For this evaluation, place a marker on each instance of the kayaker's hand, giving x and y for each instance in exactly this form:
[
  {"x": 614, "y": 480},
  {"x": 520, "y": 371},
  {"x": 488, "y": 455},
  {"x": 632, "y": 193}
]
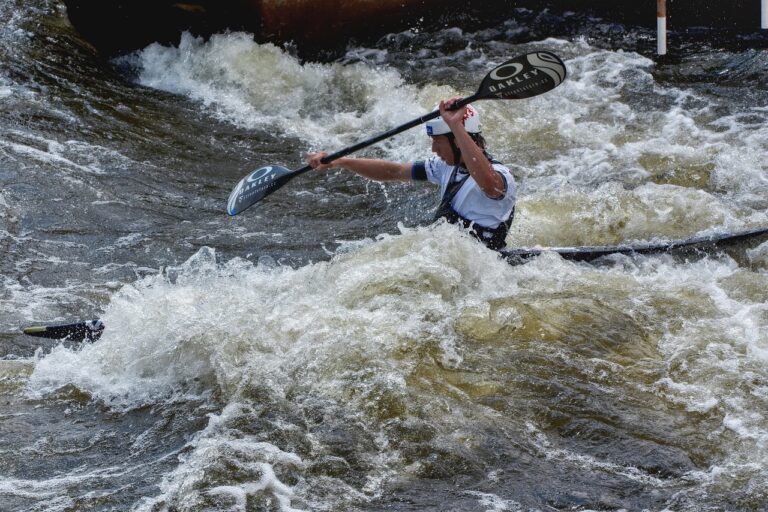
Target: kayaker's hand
[
  {"x": 453, "y": 118},
  {"x": 314, "y": 161}
]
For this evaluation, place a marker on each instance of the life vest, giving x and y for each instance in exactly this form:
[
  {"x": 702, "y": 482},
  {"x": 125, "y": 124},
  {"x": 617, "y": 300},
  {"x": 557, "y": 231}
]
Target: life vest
[{"x": 493, "y": 238}]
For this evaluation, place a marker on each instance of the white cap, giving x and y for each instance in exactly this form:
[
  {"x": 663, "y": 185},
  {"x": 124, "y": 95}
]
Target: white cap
[{"x": 471, "y": 123}]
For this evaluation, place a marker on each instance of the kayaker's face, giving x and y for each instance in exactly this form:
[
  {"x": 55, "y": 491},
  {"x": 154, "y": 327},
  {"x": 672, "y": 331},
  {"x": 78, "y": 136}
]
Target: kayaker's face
[{"x": 442, "y": 148}]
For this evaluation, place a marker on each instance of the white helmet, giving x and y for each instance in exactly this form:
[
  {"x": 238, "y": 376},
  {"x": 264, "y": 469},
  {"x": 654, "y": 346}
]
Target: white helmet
[{"x": 471, "y": 123}]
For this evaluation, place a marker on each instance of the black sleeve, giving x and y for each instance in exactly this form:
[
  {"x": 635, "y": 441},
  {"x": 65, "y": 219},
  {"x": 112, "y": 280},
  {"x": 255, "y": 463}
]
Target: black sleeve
[{"x": 419, "y": 171}]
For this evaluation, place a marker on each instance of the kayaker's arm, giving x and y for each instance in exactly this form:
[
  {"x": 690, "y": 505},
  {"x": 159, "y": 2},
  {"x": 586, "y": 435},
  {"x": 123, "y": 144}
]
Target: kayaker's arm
[
  {"x": 490, "y": 181},
  {"x": 379, "y": 170}
]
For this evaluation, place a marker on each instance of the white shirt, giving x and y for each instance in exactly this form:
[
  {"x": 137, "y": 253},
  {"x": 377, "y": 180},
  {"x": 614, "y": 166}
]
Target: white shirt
[{"x": 471, "y": 202}]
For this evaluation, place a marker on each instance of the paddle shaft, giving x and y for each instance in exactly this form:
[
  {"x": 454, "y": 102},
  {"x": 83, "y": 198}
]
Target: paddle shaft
[
  {"x": 390, "y": 133},
  {"x": 523, "y": 77}
]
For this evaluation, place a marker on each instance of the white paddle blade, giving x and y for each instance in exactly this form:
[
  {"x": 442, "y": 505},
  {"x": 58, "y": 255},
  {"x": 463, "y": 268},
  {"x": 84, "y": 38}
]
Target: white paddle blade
[{"x": 256, "y": 186}]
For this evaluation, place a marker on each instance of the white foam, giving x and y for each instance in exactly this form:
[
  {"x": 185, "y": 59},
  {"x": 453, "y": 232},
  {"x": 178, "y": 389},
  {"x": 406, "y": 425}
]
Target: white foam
[
  {"x": 596, "y": 128},
  {"x": 611, "y": 214},
  {"x": 351, "y": 331},
  {"x": 256, "y": 462},
  {"x": 597, "y": 166},
  {"x": 259, "y": 86},
  {"x": 162, "y": 334},
  {"x": 495, "y": 503}
]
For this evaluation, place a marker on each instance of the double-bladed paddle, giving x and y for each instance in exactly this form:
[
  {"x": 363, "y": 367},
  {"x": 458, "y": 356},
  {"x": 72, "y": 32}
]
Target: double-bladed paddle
[{"x": 522, "y": 77}]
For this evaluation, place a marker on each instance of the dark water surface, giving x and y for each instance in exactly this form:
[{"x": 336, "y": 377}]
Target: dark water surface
[{"x": 325, "y": 351}]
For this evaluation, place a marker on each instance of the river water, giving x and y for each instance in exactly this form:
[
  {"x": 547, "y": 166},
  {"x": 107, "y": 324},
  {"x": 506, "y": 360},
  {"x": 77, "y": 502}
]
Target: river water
[{"x": 328, "y": 349}]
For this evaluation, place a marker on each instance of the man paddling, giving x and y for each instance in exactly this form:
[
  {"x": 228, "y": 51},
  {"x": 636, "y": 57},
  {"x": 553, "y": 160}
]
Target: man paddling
[{"x": 476, "y": 191}]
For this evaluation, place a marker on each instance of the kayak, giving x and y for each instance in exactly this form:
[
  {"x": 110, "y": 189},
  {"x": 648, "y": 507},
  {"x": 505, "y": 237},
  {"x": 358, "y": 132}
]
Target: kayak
[{"x": 701, "y": 245}]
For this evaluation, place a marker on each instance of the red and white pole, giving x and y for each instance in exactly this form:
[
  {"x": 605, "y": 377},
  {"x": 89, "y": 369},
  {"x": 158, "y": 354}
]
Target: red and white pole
[{"x": 661, "y": 26}]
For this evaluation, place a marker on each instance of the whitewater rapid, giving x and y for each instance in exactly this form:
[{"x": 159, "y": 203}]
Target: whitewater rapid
[{"x": 330, "y": 350}]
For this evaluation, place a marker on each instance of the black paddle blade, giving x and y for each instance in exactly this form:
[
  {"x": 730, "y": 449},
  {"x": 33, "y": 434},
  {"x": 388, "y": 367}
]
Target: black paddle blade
[
  {"x": 81, "y": 331},
  {"x": 256, "y": 186},
  {"x": 523, "y": 77}
]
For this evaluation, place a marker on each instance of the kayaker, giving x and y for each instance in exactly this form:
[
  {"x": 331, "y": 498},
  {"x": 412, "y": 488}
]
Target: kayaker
[{"x": 476, "y": 191}]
